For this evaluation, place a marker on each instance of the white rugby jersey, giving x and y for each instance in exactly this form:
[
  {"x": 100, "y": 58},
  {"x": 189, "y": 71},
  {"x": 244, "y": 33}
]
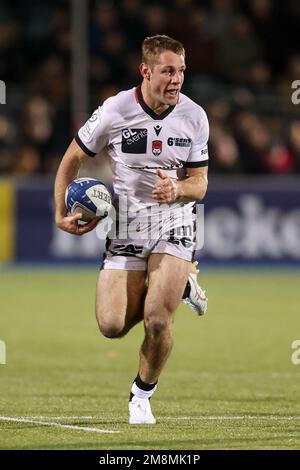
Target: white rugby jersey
[{"x": 138, "y": 142}]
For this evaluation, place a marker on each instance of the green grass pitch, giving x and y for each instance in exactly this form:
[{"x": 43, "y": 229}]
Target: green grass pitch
[{"x": 229, "y": 384}]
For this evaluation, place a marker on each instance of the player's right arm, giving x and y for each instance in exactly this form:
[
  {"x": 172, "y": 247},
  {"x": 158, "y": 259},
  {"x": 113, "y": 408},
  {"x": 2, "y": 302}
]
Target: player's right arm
[
  {"x": 91, "y": 138},
  {"x": 67, "y": 171}
]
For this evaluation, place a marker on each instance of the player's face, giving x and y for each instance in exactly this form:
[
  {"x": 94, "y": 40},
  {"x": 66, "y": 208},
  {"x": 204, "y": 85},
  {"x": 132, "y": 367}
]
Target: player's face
[{"x": 166, "y": 78}]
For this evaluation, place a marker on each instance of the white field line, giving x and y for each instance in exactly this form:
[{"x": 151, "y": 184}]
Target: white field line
[
  {"x": 162, "y": 418},
  {"x": 223, "y": 418},
  {"x": 58, "y": 425}
]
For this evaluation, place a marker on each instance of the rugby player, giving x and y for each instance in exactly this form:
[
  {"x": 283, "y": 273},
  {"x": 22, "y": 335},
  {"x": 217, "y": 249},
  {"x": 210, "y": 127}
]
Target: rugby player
[{"x": 156, "y": 138}]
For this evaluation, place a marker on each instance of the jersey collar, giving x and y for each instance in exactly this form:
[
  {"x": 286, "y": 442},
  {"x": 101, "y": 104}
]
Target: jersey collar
[{"x": 140, "y": 100}]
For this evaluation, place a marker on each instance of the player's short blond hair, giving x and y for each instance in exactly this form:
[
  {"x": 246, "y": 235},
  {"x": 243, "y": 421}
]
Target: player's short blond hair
[{"x": 153, "y": 46}]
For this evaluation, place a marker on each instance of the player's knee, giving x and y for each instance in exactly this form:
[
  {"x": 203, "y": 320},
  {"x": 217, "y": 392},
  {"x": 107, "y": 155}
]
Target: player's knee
[
  {"x": 111, "y": 330},
  {"x": 155, "y": 327}
]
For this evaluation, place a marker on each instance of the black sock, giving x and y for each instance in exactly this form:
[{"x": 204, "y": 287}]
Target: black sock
[{"x": 142, "y": 385}]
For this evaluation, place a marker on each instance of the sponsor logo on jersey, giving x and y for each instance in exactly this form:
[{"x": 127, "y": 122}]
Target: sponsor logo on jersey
[
  {"x": 126, "y": 250},
  {"x": 172, "y": 166},
  {"x": 156, "y": 147},
  {"x": 181, "y": 235},
  {"x": 93, "y": 117},
  {"x": 134, "y": 140},
  {"x": 179, "y": 142},
  {"x": 204, "y": 151},
  {"x": 90, "y": 126}
]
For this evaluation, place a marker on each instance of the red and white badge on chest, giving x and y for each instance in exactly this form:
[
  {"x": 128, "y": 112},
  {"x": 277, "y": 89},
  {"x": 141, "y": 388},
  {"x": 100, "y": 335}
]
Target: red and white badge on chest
[{"x": 156, "y": 147}]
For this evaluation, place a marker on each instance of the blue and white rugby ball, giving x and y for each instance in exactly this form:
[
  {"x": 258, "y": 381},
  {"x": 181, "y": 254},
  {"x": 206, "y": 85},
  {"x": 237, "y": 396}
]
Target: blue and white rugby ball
[{"x": 88, "y": 196}]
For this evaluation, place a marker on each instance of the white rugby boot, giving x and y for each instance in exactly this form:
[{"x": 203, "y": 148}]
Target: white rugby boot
[
  {"x": 196, "y": 299},
  {"x": 140, "y": 411}
]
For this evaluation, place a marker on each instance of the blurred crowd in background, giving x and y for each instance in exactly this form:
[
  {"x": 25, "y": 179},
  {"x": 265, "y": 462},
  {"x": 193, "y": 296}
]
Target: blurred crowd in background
[{"x": 242, "y": 57}]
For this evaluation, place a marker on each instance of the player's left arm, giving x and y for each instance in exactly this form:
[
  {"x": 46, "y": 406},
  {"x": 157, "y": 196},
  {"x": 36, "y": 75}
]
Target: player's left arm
[{"x": 193, "y": 187}]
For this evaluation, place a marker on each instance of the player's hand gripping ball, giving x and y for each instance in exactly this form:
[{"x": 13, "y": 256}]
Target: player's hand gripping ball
[{"x": 88, "y": 196}]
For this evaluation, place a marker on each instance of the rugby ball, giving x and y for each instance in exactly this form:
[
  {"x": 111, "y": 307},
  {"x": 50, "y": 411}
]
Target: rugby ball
[{"x": 88, "y": 196}]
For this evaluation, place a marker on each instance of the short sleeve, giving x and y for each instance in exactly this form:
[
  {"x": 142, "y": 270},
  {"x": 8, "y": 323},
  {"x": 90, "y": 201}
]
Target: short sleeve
[
  {"x": 198, "y": 155},
  {"x": 93, "y": 136}
]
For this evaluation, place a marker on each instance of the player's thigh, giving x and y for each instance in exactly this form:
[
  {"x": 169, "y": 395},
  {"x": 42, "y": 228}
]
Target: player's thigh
[
  {"x": 167, "y": 278},
  {"x": 119, "y": 295}
]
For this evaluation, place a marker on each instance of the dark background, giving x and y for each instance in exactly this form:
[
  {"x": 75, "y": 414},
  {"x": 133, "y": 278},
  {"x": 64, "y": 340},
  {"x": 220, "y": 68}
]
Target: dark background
[{"x": 242, "y": 57}]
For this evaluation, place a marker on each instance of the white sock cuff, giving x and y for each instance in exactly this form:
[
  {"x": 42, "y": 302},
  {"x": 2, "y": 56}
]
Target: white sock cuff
[{"x": 138, "y": 392}]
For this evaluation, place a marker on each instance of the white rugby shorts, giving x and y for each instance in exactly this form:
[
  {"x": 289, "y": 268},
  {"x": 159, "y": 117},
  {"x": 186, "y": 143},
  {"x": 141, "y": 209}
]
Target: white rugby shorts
[{"x": 173, "y": 234}]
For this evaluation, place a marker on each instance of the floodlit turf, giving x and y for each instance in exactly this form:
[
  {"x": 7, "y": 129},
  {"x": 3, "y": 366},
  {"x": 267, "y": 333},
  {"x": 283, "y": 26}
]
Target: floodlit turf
[{"x": 229, "y": 383}]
